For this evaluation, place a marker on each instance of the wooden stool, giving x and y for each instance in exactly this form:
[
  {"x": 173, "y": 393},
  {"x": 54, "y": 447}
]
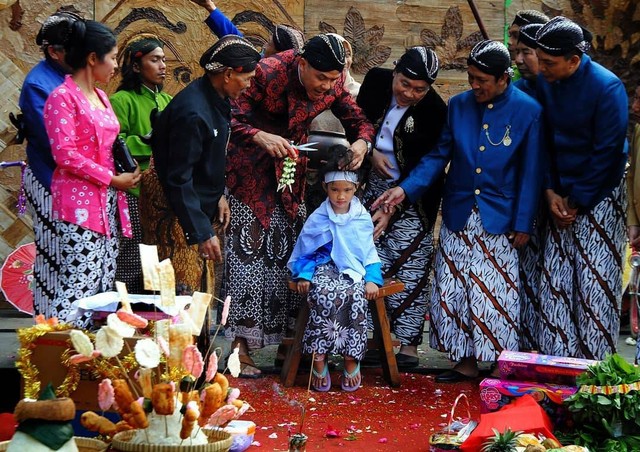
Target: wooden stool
[{"x": 381, "y": 340}]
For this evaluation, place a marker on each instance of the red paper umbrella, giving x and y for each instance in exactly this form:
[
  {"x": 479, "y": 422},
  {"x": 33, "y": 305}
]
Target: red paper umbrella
[{"x": 16, "y": 277}]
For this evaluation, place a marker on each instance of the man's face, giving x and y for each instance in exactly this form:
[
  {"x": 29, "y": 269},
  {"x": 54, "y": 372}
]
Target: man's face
[
  {"x": 315, "y": 82},
  {"x": 513, "y": 35},
  {"x": 554, "y": 68},
  {"x": 527, "y": 61},
  {"x": 485, "y": 86},
  {"x": 237, "y": 83},
  {"x": 408, "y": 91},
  {"x": 152, "y": 68}
]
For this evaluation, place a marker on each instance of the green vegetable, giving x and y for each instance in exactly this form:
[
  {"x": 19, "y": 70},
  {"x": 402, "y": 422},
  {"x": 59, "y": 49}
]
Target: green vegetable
[{"x": 606, "y": 422}]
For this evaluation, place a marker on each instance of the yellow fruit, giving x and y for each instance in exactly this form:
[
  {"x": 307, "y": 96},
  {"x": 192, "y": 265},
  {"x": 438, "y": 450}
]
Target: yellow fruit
[
  {"x": 550, "y": 443},
  {"x": 526, "y": 439}
]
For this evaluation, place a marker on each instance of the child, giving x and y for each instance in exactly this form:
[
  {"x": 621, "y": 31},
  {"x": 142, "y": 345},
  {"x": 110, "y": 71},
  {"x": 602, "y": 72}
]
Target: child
[{"x": 335, "y": 262}]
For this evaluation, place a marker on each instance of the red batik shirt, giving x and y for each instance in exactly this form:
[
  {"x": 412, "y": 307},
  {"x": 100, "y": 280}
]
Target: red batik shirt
[{"x": 277, "y": 103}]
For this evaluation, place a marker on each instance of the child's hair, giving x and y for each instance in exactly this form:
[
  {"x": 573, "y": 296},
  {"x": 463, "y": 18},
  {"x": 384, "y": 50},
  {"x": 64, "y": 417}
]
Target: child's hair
[
  {"x": 88, "y": 36},
  {"x": 340, "y": 156}
]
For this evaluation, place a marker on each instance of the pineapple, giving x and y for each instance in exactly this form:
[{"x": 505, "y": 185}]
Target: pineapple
[{"x": 501, "y": 442}]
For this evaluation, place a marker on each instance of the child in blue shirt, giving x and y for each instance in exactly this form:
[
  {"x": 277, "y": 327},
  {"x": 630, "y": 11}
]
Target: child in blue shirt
[{"x": 336, "y": 264}]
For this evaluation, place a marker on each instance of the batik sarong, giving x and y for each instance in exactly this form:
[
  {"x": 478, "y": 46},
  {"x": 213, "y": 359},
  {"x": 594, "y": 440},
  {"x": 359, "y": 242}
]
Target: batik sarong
[
  {"x": 581, "y": 283},
  {"x": 475, "y": 306},
  {"x": 337, "y": 314}
]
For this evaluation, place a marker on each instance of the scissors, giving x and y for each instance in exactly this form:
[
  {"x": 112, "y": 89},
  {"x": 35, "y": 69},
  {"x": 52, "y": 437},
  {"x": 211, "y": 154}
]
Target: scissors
[{"x": 304, "y": 148}]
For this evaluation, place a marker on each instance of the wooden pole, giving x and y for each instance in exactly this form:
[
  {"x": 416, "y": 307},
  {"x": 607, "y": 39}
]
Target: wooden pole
[{"x": 476, "y": 15}]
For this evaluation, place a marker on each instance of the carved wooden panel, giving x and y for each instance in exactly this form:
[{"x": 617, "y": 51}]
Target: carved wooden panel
[{"x": 180, "y": 25}]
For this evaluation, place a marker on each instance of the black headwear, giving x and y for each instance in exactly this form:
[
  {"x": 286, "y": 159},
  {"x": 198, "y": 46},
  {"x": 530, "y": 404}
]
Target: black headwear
[
  {"x": 56, "y": 28},
  {"x": 139, "y": 46},
  {"x": 286, "y": 38},
  {"x": 527, "y": 35},
  {"x": 324, "y": 53},
  {"x": 230, "y": 51},
  {"x": 529, "y": 16},
  {"x": 419, "y": 63},
  {"x": 491, "y": 57},
  {"x": 560, "y": 36}
]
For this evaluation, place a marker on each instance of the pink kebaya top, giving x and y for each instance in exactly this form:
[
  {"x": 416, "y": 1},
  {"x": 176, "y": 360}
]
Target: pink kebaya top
[{"x": 81, "y": 138}]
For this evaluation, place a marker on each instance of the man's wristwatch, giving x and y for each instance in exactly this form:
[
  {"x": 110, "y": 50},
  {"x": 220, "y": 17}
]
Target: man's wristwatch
[{"x": 369, "y": 146}]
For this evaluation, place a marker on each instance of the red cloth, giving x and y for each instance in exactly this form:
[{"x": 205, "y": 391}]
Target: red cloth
[
  {"x": 8, "y": 426},
  {"x": 524, "y": 414}
]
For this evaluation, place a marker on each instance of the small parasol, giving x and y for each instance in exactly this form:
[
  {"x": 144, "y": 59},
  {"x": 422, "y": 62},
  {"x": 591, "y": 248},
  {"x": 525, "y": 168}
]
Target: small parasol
[{"x": 16, "y": 277}]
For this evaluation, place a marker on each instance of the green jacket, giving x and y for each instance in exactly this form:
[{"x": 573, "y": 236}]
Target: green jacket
[{"x": 133, "y": 110}]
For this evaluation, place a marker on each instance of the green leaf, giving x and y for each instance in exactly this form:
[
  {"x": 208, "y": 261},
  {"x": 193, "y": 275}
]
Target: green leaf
[{"x": 604, "y": 400}]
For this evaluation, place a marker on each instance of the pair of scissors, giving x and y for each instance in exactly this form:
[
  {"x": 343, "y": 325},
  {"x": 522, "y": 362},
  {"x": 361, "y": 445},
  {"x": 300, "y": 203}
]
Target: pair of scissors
[{"x": 304, "y": 148}]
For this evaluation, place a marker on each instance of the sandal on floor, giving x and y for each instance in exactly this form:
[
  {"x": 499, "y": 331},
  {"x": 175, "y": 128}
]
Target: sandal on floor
[
  {"x": 351, "y": 376},
  {"x": 246, "y": 361},
  {"x": 322, "y": 375}
]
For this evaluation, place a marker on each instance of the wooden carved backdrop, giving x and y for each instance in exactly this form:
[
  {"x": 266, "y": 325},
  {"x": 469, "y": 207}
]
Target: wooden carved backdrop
[{"x": 179, "y": 23}]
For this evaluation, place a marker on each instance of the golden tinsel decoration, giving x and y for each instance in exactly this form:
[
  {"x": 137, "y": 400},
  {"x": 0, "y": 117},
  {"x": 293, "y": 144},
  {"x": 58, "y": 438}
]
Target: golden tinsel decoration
[
  {"x": 71, "y": 380},
  {"x": 102, "y": 368},
  {"x": 28, "y": 370},
  {"x": 175, "y": 373}
]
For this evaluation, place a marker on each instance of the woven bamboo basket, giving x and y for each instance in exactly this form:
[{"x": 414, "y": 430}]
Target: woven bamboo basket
[{"x": 219, "y": 441}]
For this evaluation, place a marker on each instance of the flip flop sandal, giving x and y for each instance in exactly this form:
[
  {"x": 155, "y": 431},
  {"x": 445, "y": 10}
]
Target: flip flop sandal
[
  {"x": 351, "y": 376},
  {"x": 322, "y": 375}
]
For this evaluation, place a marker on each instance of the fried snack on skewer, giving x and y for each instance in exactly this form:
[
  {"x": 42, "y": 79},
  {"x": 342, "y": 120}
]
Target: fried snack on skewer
[
  {"x": 144, "y": 380},
  {"x": 162, "y": 398},
  {"x": 95, "y": 423},
  {"x": 132, "y": 318},
  {"x": 138, "y": 416},
  {"x": 223, "y": 382},
  {"x": 213, "y": 399},
  {"x": 191, "y": 415},
  {"x": 122, "y": 395},
  {"x": 179, "y": 339},
  {"x": 123, "y": 426},
  {"x": 59, "y": 409}
]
